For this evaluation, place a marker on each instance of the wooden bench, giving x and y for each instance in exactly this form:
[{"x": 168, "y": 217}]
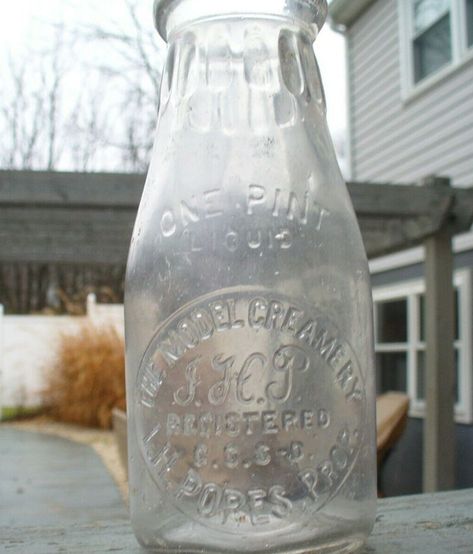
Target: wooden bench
[{"x": 391, "y": 418}]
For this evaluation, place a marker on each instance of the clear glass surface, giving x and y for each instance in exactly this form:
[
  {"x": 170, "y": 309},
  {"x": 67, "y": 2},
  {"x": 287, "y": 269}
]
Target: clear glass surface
[{"x": 250, "y": 376}]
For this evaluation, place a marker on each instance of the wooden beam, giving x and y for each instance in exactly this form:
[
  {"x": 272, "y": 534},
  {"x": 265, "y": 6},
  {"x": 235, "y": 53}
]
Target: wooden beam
[
  {"x": 62, "y": 235},
  {"x": 392, "y": 217},
  {"x": 70, "y": 190},
  {"x": 439, "y": 426},
  {"x": 401, "y": 201}
]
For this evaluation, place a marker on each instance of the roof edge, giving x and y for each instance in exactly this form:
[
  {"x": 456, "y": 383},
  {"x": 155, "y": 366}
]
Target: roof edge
[{"x": 345, "y": 12}]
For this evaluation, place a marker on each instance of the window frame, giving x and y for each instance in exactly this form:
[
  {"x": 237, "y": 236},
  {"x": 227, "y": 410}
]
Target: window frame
[
  {"x": 461, "y": 52},
  {"x": 410, "y": 290}
]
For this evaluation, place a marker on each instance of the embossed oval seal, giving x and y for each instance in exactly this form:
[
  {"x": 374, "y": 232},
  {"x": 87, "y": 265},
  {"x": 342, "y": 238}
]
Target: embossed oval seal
[{"x": 249, "y": 410}]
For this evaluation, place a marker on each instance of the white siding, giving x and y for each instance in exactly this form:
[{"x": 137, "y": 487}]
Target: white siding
[{"x": 398, "y": 141}]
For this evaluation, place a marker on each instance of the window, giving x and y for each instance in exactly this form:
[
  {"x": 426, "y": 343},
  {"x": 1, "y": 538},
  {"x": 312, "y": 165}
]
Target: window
[
  {"x": 399, "y": 315},
  {"x": 436, "y": 35},
  {"x": 432, "y": 41},
  {"x": 469, "y": 22}
]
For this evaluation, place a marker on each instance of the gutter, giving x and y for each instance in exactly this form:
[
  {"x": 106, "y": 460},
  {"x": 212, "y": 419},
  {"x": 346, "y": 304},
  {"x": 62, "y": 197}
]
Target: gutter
[{"x": 343, "y": 13}]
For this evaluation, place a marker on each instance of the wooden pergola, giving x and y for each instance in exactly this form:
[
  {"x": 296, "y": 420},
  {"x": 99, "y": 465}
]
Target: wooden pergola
[
  {"x": 392, "y": 218},
  {"x": 76, "y": 218}
]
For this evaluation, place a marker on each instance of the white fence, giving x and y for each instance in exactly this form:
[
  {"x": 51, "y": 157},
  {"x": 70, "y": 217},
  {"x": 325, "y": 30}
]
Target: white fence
[{"x": 28, "y": 345}]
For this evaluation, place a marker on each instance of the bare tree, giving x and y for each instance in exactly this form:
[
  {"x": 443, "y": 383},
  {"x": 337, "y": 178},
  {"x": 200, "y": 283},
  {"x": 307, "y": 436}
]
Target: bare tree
[
  {"x": 33, "y": 113},
  {"x": 21, "y": 116},
  {"x": 137, "y": 71},
  {"x": 60, "y": 109}
]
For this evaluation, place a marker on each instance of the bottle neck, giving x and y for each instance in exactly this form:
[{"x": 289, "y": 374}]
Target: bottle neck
[
  {"x": 235, "y": 73},
  {"x": 173, "y": 14}
]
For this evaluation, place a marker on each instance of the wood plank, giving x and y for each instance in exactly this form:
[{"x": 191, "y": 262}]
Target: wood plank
[
  {"x": 421, "y": 524},
  {"x": 47, "y": 480}
]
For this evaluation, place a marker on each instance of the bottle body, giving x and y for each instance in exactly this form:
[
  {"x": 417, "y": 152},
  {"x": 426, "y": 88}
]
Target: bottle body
[{"x": 248, "y": 309}]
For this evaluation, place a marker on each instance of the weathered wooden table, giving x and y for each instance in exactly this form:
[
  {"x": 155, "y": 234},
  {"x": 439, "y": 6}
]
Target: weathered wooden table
[{"x": 56, "y": 497}]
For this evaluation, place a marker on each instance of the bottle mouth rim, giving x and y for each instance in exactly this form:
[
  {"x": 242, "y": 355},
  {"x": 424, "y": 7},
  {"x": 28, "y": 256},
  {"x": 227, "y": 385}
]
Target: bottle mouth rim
[{"x": 170, "y": 14}]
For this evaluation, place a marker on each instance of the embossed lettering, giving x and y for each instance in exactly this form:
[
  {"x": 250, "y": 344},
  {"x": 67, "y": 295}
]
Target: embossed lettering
[
  {"x": 234, "y": 322},
  {"x": 232, "y": 424},
  {"x": 172, "y": 348},
  {"x": 269, "y": 425},
  {"x": 256, "y": 500},
  {"x": 254, "y": 238},
  {"x": 290, "y": 319},
  {"x": 307, "y": 419},
  {"x": 206, "y": 422},
  {"x": 149, "y": 437},
  {"x": 219, "y": 391},
  {"x": 282, "y": 506},
  {"x": 185, "y": 395},
  {"x": 233, "y": 502},
  {"x": 245, "y": 375},
  {"x": 257, "y": 309},
  {"x": 323, "y": 418},
  {"x": 235, "y": 360},
  {"x": 307, "y": 331},
  {"x": 284, "y": 237},
  {"x": 256, "y": 196},
  {"x": 188, "y": 333},
  {"x": 230, "y": 456},
  {"x": 221, "y": 315},
  {"x": 274, "y": 313},
  {"x": 209, "y": 500},
  {"x": 262, "y": 454},
  {"x": 210, "y": 197},
  {"x": 168, "y": 224},
  {"x": 286, "y": 360},
  {"x": 310, "y": 479},
  {"x": 165, "y": 458},
  {"x": 289, "y": 420},
  {"x": 348, "y": 382},
  {"x": 324, "y": 344},
  {"x": 201, "y": 452},
  {"x": 277, "y": 194},
  {"x": 295, "y": 210},
  {"x": 204, "y": 323},
  {"x": 173, "y": 425},
  {"x": 189, "y": 214},
  {"x": 191, "y": 486},
  {"x": 232, "y": 240},
  {"x": 250, "y": 418},
  {"x": 151, "y": 382},
  {"x": 189, "y": 427}
]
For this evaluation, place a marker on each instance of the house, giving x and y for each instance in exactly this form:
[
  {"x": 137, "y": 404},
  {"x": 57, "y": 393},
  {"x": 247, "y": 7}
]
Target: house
[{"x": 410, "y": 94}]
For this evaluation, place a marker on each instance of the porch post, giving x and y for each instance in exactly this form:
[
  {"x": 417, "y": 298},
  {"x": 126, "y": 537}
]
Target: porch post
[{"x": 439, "y": 425}]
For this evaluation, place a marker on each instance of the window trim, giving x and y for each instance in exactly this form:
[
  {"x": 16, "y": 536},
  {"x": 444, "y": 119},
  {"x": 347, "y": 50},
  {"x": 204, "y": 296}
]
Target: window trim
[
  {"x": 461, "y": 53},
  {"x": 410, "y": 290}
]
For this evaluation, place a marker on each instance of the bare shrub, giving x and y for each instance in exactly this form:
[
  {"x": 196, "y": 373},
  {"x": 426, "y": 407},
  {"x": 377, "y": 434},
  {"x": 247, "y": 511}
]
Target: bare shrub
[{"x": 88, "y": 378}]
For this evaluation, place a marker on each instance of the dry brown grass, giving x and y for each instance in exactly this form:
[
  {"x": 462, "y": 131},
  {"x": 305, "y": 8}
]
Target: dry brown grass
[{"x": 88, "y": 378}]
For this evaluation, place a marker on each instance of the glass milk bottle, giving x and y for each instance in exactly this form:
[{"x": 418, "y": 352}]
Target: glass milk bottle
[{"x": 248, "y": 306}]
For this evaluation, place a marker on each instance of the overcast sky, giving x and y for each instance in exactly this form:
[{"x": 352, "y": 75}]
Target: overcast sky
[{"x": 25, "y": 23}]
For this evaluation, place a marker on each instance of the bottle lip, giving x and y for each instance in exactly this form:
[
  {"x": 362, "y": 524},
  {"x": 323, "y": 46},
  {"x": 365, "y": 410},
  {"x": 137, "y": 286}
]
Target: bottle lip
[{"x": 169, "y": 14}]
